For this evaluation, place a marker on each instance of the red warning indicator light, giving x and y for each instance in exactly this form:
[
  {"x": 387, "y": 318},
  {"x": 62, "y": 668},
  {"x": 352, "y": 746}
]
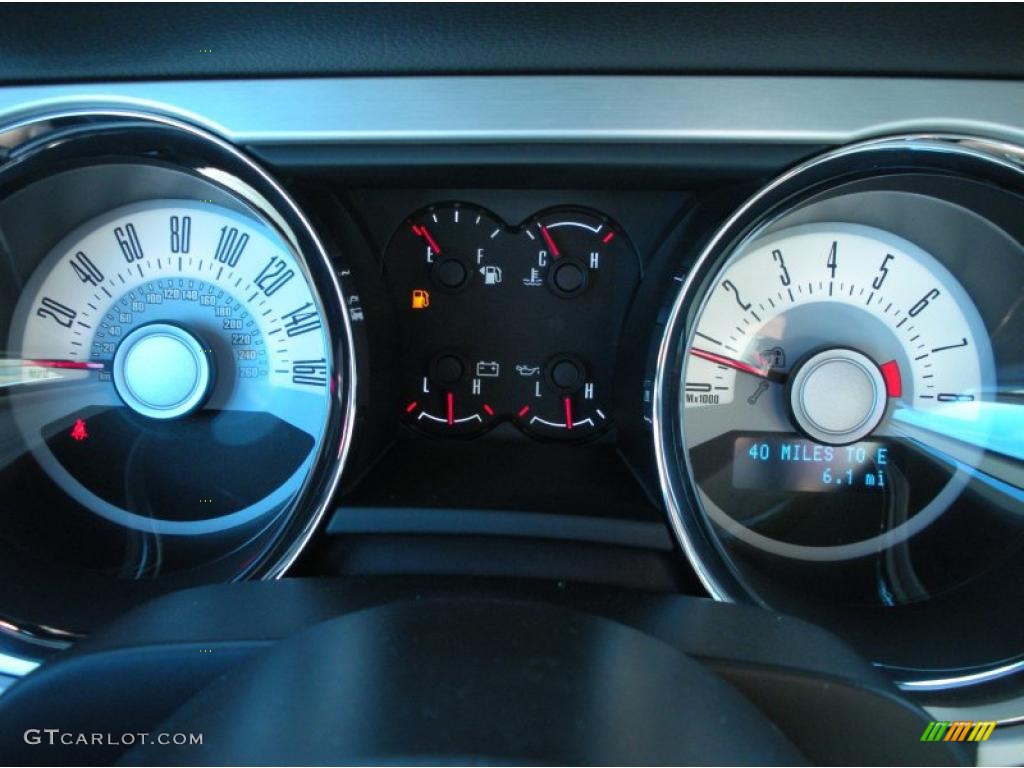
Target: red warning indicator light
[{"x": 78, "y": 432}]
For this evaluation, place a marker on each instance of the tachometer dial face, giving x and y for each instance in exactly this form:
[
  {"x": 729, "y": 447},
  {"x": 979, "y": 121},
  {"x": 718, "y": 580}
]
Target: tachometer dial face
[
  {"x": 175, "y": 368},
  {"x": 820, "y": 352}
]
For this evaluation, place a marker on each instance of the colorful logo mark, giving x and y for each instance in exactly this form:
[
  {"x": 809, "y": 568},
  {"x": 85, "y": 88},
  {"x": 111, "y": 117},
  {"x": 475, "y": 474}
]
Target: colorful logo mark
[{"x": 958, "y": 730}]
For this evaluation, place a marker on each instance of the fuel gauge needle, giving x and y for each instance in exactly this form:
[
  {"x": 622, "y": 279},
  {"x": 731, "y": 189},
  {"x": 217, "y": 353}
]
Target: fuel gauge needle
[
  {"x": 421, "y": 231},
  {"x": 770, "y": 373}
]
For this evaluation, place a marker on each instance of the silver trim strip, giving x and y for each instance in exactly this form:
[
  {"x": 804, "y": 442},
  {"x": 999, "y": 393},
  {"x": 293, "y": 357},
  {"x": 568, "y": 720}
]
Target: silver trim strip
[
  {"x": 815, "y": 110},
  {"x": 962, "y": 681}
]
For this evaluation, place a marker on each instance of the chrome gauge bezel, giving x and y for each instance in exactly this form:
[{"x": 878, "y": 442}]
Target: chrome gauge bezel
[
  {"x": 46, "y": 144},
  {"x": 970, "y": 157}
]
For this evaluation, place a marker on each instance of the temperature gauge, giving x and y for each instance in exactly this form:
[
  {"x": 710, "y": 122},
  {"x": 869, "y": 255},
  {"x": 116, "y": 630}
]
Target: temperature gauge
[{"x": 570, "y": 248}]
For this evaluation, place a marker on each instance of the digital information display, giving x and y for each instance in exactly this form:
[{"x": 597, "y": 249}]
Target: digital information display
[{"x": 790, "y": 463}]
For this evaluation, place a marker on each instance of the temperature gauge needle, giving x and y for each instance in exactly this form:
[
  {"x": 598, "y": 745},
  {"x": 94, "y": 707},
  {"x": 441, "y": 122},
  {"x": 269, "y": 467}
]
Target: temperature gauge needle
[
  {"x": 568, "y": 412},
  {"x": 550, "y": 241},
  {"x": 450, "y": 398},
  {"x": 770, "y": 374}
]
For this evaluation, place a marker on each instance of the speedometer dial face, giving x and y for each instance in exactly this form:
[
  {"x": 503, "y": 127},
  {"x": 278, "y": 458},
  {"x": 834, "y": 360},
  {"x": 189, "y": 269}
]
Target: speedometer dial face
[
  {"x": 819, "y": 356},
  {"x": 175, "y": 368}
]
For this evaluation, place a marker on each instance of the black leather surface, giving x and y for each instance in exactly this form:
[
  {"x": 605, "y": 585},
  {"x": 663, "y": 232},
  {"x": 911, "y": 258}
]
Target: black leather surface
[
  {"x": 141, "y": 670},
  {"x": 47, "y": 42},
  {"x": 451, "y": 682}
]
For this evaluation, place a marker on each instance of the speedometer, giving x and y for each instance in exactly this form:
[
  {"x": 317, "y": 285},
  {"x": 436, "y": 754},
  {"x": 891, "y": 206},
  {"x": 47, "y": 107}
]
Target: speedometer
[
  {"x": 177, "y": 383},
  {"x": 185, "y": 366},
  {"x": 817, "y": 351}
]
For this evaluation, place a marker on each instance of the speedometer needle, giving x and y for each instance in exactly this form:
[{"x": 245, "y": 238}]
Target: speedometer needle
[
  {"x": 78, "y": 365},
  {"x": 17, "y": 372},
  {"x": 764, "y": 373}
]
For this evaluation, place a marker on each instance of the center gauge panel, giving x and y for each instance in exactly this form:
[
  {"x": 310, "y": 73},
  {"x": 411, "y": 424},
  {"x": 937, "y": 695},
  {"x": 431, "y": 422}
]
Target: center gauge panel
[{"x": 509, "y": 324}]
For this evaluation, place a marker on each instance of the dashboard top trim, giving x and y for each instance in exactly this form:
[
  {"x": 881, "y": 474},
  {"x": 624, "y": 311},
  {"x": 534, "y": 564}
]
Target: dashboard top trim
[{"x": 813, "y": 110}]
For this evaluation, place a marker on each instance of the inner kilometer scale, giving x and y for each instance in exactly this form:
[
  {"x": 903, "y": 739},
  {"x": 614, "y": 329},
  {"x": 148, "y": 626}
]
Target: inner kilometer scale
[{"x": 509, "y": 324}]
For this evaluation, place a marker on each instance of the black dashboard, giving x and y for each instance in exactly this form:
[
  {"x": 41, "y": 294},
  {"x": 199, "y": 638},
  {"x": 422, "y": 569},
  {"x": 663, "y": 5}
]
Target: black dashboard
[{"x": 395, "y": 333}]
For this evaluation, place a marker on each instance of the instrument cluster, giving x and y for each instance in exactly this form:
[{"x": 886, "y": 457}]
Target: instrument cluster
[{"x": 823, "y": 384}]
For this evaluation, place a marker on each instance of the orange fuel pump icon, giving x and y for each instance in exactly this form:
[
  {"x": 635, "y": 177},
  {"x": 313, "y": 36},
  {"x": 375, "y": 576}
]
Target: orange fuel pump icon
[{"x": 420, "y": 298}]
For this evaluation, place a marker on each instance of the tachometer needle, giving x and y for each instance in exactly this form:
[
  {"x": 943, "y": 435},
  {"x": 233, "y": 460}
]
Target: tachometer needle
[
  {"x": 550, "y": 241},
  {"x": 421, "y": 231},
  {"x": 764, "y": 373},
  {"x": 568, "y": 412}
]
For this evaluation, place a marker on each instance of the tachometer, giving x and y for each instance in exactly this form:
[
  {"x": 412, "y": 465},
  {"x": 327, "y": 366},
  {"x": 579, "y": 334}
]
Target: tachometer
[
  {"x": 818, "y": 349},
  {"x": 839, "y": 404}
]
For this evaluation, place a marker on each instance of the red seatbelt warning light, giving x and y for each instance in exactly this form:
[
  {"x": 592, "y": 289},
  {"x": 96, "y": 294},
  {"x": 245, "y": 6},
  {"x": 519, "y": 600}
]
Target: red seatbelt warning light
[{"x": 78, "y": 431}]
